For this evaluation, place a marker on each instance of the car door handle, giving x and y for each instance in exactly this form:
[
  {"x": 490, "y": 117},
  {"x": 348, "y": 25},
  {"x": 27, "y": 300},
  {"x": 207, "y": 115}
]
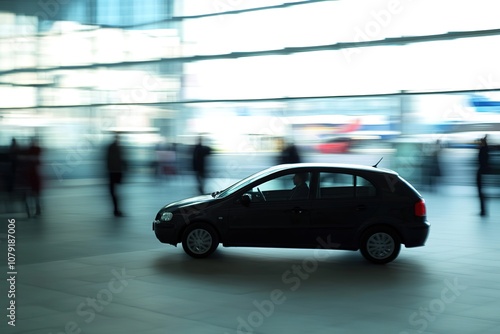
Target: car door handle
[{"x": 297, "y": 210}]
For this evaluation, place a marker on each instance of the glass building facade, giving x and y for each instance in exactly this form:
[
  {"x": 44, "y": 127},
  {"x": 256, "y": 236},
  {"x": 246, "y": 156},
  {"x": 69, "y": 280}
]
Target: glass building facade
[{"x": 243, "y": 72}]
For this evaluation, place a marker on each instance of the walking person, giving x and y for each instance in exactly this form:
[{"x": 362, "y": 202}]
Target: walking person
[
  {"x": 14, "y": 152},
  {"x": 13, "y": 176},
  {"x": 483, "y": 160},
  {"x": 33, "y": 155},
  {"x": 434, "y": 168},
  {"x": 116, "y": 166},
  {"x": 200, "y": 154},
  {"x": 289, "y": 154}
]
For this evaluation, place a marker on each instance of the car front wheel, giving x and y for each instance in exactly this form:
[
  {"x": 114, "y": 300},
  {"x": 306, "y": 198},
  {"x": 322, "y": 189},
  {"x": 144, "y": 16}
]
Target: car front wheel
[
  {"x": 380, "y": 245},
  {"x": 200, "y": 240}
]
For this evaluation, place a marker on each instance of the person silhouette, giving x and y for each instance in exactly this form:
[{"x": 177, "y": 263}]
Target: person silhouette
[
  {"x": 200, "y": 153},
  {"x": 115, "y": 164},
  {"x": 434, "y": 168},
  {"x": 483, "y": 168},
  {"x": 301, "y": 190},
  {"x": 34, "y": 178},
  {"x": 14, "y": 152},
  {"x": 289, "y": 154}
]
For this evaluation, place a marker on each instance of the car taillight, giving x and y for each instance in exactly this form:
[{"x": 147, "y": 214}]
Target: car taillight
[{"x": 420, "y": 210}]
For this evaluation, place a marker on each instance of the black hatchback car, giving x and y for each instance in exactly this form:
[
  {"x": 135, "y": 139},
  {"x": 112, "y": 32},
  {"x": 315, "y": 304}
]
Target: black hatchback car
[{"x": 330, "y": 206}]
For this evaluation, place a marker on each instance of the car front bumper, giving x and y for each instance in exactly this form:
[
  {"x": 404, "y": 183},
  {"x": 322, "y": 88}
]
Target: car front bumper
[{"x": 166, "y": 232}]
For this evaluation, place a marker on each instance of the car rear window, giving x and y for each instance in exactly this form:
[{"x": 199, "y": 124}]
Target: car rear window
[{"x": 395, "y": 185}]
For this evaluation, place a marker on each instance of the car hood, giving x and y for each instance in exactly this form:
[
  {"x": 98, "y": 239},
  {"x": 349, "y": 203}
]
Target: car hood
[{"x": 192, "y": 201}]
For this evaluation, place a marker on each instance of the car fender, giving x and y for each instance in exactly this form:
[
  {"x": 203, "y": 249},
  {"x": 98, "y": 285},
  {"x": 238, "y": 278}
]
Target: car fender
[
  {"x": 388, "y": 222},
  {"x": 201, "y": 220}
]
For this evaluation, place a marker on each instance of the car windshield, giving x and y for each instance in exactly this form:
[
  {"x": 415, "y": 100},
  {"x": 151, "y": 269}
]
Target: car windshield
[{"x": 243, "y": 183}]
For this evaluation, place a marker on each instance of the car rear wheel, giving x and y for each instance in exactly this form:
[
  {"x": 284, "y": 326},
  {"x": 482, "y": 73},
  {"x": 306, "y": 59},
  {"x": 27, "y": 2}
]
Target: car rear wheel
[
  {"x": 380, "y": 245},
  {"x": 200, "y": 240}
]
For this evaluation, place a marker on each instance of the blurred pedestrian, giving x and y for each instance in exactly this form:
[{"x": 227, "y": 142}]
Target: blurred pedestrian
[
  {"x": 116, "y": 165},
  {"x": 200, "y": 154},
  {"x": 33, "y": 162},
  {"x": 484, "y": 167},
  {"x": 434, "y": 170},
  {"x": 14, "y": 152},
  {"x": 289, "y": 154}
]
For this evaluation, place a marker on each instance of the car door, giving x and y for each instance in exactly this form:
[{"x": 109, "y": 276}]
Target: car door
[
  {"x": 343, "y": 201},
  {"x": 271, "y": 218}
]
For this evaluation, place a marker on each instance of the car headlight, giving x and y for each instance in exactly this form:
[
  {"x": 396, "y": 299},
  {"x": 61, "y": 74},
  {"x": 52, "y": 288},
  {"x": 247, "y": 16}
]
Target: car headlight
[{"x": 166, "y": 216}]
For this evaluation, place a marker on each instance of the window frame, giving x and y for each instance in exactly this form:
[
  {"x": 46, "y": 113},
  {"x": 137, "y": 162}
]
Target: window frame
[{"x": 355, "y": 182}]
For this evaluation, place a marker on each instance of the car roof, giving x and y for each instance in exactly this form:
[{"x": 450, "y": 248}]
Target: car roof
[{"x": 341, "y": 166}]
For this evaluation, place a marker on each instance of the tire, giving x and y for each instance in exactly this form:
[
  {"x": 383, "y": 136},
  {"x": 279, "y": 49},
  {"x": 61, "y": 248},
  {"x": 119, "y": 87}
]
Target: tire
[
  {"x": 199, "y": 240},
  {"x": 380, "y": 245}
]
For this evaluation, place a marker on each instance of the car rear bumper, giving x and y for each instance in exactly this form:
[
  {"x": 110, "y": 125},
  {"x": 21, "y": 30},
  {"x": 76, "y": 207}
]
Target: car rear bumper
[
  {"x": 165, "y": 232},
  {"x": 416, "y": 235}
]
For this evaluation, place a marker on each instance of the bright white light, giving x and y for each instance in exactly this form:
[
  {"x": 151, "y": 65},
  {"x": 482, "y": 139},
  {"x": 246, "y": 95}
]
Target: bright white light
[{"x": 443, "y": 65}]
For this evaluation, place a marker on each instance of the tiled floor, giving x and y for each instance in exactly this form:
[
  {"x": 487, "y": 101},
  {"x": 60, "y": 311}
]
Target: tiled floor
[{"x": 81, "y": 271}]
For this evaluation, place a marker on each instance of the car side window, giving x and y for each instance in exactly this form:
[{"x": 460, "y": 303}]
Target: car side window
[
  {"x": 286, "y": 187},
  {"x": 335, "y": 185},
  {"x": 364, "y": 188},
  {"x": 342, "y": 185}
]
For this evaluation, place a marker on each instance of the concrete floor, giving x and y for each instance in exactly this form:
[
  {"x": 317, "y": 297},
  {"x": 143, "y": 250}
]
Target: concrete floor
[{"x": 79, "y": 270}]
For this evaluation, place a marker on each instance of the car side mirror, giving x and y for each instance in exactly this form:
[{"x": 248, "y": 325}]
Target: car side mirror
[{"x": 246, "y": 199}]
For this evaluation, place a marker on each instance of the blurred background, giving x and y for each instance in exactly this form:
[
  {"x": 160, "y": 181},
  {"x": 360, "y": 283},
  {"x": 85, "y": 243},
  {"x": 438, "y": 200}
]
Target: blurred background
[{"x": 409, "y": 81}]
